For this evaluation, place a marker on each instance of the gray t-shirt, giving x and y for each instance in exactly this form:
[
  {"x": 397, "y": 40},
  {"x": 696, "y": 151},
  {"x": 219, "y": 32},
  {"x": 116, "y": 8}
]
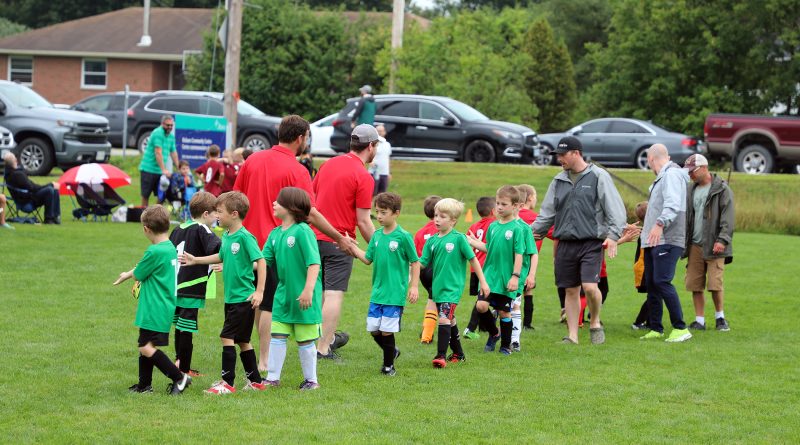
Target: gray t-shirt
[{"x": 699, "y": 203}]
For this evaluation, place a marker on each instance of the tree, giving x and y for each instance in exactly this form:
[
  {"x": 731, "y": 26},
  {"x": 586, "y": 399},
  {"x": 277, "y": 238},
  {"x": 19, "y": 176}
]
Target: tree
[{"x": 7, "y": 27}]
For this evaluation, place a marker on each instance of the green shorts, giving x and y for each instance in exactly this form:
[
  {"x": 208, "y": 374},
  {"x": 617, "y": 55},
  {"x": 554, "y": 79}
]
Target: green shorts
[{"x": 300, "y": 332}]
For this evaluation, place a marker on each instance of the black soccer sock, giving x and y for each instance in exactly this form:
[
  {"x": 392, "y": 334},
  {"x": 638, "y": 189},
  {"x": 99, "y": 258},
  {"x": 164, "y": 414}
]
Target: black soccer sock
[
  {"x": 185, "y": 353},
  {"x": 178, "y": 344},
  {"x": 250, "y": 365},
  {"x": 527, "y": 316},
  {"x": 474, "y": 319},
  {"x": 378, "y": 339},
  {"x": 455, "y": 340},
  {"x": 389, "y": 350},
  {"x": 166, "y": 366},
  {"x": 229, "y": 364},
  {"x": 505, "y": 332},
  {"x": 562, "y": 296},
  {"x": 487, "y": 323},
  {"x": 145, "y": 371},
  {"x": 444, "y": 339}
]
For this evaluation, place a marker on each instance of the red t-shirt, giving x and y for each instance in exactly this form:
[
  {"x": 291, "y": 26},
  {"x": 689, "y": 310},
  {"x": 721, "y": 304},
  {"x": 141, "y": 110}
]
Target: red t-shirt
[
  {"x": 230, "y": 171},
  {"x": 261, "y": 178},
  {"x": 209, "y": 172},
  {"x": 479, "y": 229},
  {"x": 529, "y": 216},
  {"x": 341, "y": 186},
  {"x": 422, "y": 235}
]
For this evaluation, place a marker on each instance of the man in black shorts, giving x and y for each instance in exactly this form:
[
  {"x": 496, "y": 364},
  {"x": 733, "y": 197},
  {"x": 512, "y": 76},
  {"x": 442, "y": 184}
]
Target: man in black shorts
[{"x": 586, "y": 209}]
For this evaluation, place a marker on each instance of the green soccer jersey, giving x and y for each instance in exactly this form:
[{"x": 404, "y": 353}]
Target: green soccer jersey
[
  {"x": 448, "y": 255},
  {"x": 238, "y": 252},
  {"x": 391, "y": 254},
  {"x": 157, "y": 271},
  {"x": 503, "y": 241},
  {"x": 157, "y": 139},
  {"x": 530, "y": 249},
  {"x": 292, "y": 251}
]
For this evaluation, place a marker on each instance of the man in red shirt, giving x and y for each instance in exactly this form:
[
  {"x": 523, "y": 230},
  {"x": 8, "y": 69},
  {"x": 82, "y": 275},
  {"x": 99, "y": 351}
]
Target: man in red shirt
[
  {"x": 261, "y": 178},
  {"x": 343, "y": 189}
]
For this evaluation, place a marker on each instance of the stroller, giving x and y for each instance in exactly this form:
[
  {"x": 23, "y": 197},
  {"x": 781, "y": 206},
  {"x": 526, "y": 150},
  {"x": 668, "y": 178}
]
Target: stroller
[
  {"x": 178, "y": 194},
  {"x": 97, "y": 200}
]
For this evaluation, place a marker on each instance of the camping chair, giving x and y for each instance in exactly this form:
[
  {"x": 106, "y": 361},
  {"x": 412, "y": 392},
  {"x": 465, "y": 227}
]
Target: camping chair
[
  {"x": 22, "y": 206},
  {"x": 111, "y": 196},
  {"x": 91, "y": 201}
]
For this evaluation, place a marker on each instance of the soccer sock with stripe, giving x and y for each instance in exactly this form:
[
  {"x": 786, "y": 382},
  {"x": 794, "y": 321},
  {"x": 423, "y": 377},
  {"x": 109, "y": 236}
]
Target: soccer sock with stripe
[
  {"x": 505, "y": 332},
  {"x": 474, "y": 319},
  {"x": 428, "y": 326},
  {"x": 527, "y": 319},
  {"x": 487, "y": 323},
  {"x": 444, "y": 340},
  {"x": 229, "y": 364},
  {"x": 277, "y": 355},
  {"x": 250, "y": 365},
  {"x": 389, "y": 350},
  {"x": 455, "y": 340},
  {"x": 308, "y": 361},
  {"x": 145, "y": 371},
  {"x": 516, "y": 325},
  {"x": 166, "y": 366}
]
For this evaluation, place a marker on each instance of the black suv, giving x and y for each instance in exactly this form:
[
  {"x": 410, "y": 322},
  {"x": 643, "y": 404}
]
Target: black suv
[
  {"x": 441, "y": 127},
  {"x": 255, "y": 130}
]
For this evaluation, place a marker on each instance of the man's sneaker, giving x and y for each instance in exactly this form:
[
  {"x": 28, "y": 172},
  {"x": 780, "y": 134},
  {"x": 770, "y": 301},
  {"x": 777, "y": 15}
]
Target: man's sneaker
[
  {"x": 491, "y": 342},
  {"x": 388, "y": 370},
  {"x": 505, "y": 351},
  {"x": 455, "y": 358},
  {"x": 329, "y": 356},
  {"x": 439, "y": 362},
  {"x": 139, "y": 389},
  {"x": 220, "y": 388},
  {"x": 308, "y": 385},
  {"x": 652, "y": 335},
  {"x": 254, "y": 386},
  {"x": 177, "y": 387},
  {"x": 597, "y": 335},
  {"x": 340, "y": 338},
  {"x": 639, "y": 326},
  {"x": 515, "y": 346},
  {"x": 471, "y": 335},
  {"x": 678, "y": 335},
  {"x": 695, "y": 326},
  {"x": 722, "y": 325}
]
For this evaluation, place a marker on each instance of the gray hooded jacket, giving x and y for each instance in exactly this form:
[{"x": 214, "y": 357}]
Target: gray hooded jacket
[
  {"x": 718, "y": 220},
  {"x": 667, "y": 204}
]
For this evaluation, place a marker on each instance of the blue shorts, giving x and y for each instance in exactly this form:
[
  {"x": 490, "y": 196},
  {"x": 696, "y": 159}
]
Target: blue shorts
[{"x": 384, "y": 318}]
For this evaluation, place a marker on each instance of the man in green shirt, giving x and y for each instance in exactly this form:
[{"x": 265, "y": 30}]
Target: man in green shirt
[{"x": 160, "y": 147}]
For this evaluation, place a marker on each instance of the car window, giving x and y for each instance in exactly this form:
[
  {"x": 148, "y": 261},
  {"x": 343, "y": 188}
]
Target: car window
[
  {"x": 211, "y": 107},
  {"x": 177, "y": 105},
  {"x": 97, "y": 104},
  {"x": 118, "y": 101},
  {"x": 399, "y": 108},
  {"x": 595, "y": 127},
  {"x": 626, "y": 127},
  {"x": 431, "y": 111}
]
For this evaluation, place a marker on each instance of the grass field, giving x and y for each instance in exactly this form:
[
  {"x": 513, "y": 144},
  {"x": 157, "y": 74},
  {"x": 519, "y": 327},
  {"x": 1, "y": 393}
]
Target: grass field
[{"x": 69, "y": 353}]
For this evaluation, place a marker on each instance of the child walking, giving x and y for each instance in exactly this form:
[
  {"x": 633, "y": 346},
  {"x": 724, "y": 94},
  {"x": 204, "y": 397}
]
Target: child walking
[{"x": 426, "y": 273}]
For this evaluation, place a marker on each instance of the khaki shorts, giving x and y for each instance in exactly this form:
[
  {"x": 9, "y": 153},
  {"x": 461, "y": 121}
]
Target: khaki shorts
[{"x": 698, "y": 269}]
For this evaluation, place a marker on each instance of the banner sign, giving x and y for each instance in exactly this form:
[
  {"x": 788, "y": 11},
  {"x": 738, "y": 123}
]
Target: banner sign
[{"x": 194, "y": 134}]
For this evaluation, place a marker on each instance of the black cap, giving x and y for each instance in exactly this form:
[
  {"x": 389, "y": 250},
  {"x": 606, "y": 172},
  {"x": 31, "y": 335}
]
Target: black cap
[{"x": 568, "y": 143}]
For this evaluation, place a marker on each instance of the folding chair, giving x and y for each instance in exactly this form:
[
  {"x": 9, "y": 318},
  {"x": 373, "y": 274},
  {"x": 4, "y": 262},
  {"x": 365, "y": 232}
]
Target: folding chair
[{"x": 22, "y": 206}]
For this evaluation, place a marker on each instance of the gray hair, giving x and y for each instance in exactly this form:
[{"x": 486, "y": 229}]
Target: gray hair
[{"x": 167, "y": 117}]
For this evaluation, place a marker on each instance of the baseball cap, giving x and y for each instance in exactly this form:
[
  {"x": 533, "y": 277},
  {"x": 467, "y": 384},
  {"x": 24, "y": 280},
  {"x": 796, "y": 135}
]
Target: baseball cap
[
  {"x": 365, "y": 133},
  {"x": 694, "y": 161},
  {"x": 568, "y": 143},
  {"x": 365, "y": 89}
]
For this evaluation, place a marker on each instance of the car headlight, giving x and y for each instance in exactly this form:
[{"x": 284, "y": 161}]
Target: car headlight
[
  {"x": 508, "y": 134},
  {"x": 68, "y": 124}
]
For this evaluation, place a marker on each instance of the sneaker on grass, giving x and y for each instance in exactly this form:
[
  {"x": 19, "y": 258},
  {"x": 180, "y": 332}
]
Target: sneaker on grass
[
  {"x": 515, "y": 346},
  {"x": 177, "y": 388},
  {"x": 329, "y": 356},
  {"x": 491, "y": 342},
  {"x": 505, "y": 351},
  {"x": 695, "y": 326},
  {"x": 722, "y": 325},
  {"x": 471, "y": 335},
  {"x": 254, "y": 386},
  {"x": 639, "y": 326},
  {"x": 220, "y": 388},
  {"x": 678, "y": 335},
  {"x": 439, "y": 361},
  {"x": 308, "y": 385},
  {"x": 388, "y": 370},
  {"x": 455, "y": 358},
  {"x": 340, "y": 338},
  {"x": 139, "y": 389},
  {"x": 652, "y": 335}
]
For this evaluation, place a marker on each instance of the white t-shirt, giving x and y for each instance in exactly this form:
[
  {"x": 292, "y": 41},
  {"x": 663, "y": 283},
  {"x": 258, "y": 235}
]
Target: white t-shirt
[{"x": 381, "y": 160}]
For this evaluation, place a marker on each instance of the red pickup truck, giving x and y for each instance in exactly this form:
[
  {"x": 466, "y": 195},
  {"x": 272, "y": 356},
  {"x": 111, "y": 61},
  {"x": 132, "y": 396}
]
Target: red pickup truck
[{"x": 757, "y": 144}]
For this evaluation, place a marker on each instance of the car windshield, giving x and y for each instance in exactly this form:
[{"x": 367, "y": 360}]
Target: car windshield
[
  {"x": 247, "y": 109},
  {"x": 464, "y": 111},
  {"x": 23, "y": 96}
]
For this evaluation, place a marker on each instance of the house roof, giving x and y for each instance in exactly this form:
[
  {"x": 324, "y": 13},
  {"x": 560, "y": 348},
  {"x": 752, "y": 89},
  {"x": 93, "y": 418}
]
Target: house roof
[{"x": 116, "y": 33}]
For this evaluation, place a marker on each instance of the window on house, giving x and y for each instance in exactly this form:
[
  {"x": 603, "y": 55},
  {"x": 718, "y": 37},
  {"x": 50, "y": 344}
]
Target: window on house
[
  {"x": 20, "y": 69},
  {"x": 95, "y": 73}
]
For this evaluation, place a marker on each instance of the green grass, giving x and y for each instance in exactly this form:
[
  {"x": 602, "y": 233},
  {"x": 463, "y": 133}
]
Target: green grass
[{"x": 69, "y": 354}]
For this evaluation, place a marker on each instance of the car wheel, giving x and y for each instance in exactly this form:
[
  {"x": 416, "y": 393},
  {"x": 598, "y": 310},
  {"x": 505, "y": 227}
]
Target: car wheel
[
  {"x": 546, "y": 156},
  {"x": 754, "y": 160},
  {"x": 35, "y": 156},
  {"x": 256, "y": 142},
  {"x": 144, "y": 138},
  {"x": 640, "y": 161},
  {"x": 479, "y": 150}
]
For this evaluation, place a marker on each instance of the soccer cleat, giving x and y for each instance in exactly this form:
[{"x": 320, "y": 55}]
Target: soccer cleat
[
  {"x": 722, "y": 325},
  {"x": 138, "y": 389},
  {"x": 176, "y": 388},
  {"x": 470, "y": 335},
  {"x": 515, "y": 346},
  {"x": 388, "y": 370},
  {"x": 329, "y": 356},
  {"x": 439, "y": 361},
  {"x": 455, "y": 358},
  {"x": 254, "y": 386},
  {"x": 652, "y": 335},
  {"x": 340, "y": 338},
  {"x": 505, "y": 351},
  {"x": 695, "y": 326},
  {"x": 220, "y": 388},
  {"x": 678, "y": 335},
  {"x": 195, "y": 373},
  {"x": 639, "y": 326},
  {"x": 491, "y": 342},
  {"x": 271, "y": 383},
  {"x": 308, "y": 385}
]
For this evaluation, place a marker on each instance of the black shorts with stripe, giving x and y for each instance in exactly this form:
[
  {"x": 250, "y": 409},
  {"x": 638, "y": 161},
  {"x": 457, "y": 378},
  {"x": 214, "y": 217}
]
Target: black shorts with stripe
[{"x": 185, "y": 319}]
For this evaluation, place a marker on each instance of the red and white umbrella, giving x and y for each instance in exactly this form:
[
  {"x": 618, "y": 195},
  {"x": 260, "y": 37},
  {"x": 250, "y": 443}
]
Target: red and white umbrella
[{"x": 93, "y": 174}]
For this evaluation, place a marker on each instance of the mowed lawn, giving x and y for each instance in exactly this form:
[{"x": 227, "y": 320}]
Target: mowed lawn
[{"x": 69, "y": 353}]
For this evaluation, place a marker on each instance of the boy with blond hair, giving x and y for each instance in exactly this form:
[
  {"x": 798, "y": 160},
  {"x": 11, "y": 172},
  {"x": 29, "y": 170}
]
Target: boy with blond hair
[{"x": 426, "y": 274}]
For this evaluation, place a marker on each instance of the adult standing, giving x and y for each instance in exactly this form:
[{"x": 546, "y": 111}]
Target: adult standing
[
  {"x": 365, "y": 107},
  {"x": 664, "y": 235},
  {"x": 709, "y": 237},
  {"x": 160, "y": 147},
  {"x": 261, "y": 178},
  {"x": 381, "y": 163},
  {"x": 344, "y": 195},
  {"x": 586, "y": 209},
  {"x": 43, "y": 195}
]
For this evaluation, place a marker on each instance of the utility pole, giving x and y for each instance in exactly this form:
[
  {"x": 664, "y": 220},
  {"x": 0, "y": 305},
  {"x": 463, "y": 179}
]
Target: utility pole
[
  {"x": 232, "y": 55},
  {"x": 398, "y": 13}
]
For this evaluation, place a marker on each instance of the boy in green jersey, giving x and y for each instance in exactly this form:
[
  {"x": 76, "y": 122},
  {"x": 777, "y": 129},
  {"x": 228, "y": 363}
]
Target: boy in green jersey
[
  {"x": 297, "y": 310},
  {"x": 530, "y": 262},
  {"x": 391, "y": 252},
  {"x": 238, "y": 252},
  {"x": 156, "y": 275},
  {"x": 504, "y": 247},
  {"x": 447, "y": 253}
]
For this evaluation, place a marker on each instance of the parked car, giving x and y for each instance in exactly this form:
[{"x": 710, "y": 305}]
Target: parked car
[
  {"x": 756, "y": 144},
  {"x": 321, "y": 132},
  {"x": 6, "y": 141},
  {"x": 47, "y": 136},
  {"x": 112, "y": 107},
  {"x": 622, "y": 142},
  {"x": 441, "y": 127},
  {"x": 254, "y": 130}
]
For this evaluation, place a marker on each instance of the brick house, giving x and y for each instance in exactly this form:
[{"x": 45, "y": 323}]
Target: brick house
[{"x": 69, "y": 61}]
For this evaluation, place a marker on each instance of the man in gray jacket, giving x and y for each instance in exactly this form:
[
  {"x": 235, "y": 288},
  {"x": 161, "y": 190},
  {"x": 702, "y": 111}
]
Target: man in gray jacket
[
  {"x": 586, "y": 210},
  {"x": 709, "y": 236},
  {"x": 664, "y": 232}
]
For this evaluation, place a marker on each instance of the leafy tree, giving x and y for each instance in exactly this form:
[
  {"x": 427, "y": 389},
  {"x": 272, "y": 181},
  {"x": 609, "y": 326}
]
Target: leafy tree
[
  {"x": 7, "y": 27},
  {"x": 352, "y": 5}
]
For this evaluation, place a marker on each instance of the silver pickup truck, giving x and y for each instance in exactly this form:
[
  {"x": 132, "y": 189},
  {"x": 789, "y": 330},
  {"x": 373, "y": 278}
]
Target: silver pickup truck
[{"x": 48, "y": 137}]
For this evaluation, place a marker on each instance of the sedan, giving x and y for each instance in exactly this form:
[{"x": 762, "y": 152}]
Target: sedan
[
  {"x": 622, "y": 142},
  {"x": 321, "y": 132}
]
